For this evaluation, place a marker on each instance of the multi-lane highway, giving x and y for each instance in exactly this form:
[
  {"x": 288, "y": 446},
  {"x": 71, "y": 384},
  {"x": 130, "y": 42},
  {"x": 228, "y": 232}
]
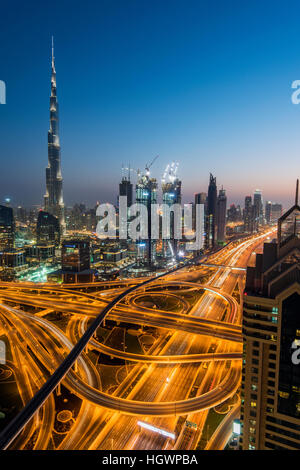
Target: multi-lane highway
[{"x": 192, "y": 365}]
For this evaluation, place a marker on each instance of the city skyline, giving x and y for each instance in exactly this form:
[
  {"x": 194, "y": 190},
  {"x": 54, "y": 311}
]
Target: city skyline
[
  {"x": 180, "y": 112},
  {"x": 149, "y": 228}
]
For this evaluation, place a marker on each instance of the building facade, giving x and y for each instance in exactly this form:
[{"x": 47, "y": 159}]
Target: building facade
[
  {"x": 171, "y": 192},
  {"x": 248, "y": 215},
  {"x": 258, "y": 209},
  {"x": 270, "y": 411},
  {"x": 211, "y": 210},
  {"x": 221, "y": 216},
  {"x": 7, "y": 228},
  {"x": 146, "y": 194},
  {"x": 47, "y": 229},
  {"x": 75, "y": 256}
]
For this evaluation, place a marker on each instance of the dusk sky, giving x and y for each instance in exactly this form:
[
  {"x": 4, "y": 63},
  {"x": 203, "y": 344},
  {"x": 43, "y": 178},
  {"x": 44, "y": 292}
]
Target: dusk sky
[{"x": 207, "y": 84}]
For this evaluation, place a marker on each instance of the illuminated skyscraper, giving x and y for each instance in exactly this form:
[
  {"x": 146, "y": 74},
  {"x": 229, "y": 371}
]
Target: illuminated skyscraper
[
  {"x": 210, "y": 216},
  {"x": 171, "y": 189},
  {"x": 146, "y": 194},
  {"x": 270, "y": 411},
  {"x": 248, "y": 215},
  {"x": 7, "y": 228},
  {"x": 53, "y": 199},
  {"x": 258, "y": 209},
  {"x": 268, "y": 211},
  {"x": 221, "y": 216}
]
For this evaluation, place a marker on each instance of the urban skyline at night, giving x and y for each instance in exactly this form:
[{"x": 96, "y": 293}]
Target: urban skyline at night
[
  {"x": 184, "y": 107},
  {"x": 149, "y": 229}
]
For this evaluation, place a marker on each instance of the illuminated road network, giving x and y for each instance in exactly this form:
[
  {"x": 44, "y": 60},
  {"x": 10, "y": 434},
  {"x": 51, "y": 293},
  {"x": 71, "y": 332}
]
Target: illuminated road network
[{"x": 162, "y": 371}]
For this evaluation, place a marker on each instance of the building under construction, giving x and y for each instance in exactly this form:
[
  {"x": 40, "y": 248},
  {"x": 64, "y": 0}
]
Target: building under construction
[{"x": 171, "y": 192}]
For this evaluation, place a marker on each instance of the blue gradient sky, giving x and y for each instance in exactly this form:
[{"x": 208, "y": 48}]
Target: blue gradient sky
[{"x": 208, "y": 85}]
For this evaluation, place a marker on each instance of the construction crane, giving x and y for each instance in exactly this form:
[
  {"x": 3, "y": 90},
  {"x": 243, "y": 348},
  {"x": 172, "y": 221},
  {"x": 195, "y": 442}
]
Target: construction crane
[
  {"x": 128, "y": 170},
  {"x": 138, "y": 171},
  {"x": 147, "y": 167},
  {"x": 170, "y": 173}
]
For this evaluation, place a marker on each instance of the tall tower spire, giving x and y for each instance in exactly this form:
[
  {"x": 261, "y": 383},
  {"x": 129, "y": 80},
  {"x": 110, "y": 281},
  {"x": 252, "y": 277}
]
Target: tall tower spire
[
  {"x": 53, "y": 199},
  {"x": 52, "y": 55}
]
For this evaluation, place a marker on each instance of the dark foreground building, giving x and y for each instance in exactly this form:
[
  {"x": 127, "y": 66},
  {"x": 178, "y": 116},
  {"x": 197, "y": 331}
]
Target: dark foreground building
[
  {"x": 7, "y": 228},
  {"x": 211, "y": 213},
  {"x": 47, "y": 229},
  {"x": 75, "y": 263},
  {"x": 221, "y": 216},
  {"x": 270, "y": 411}
]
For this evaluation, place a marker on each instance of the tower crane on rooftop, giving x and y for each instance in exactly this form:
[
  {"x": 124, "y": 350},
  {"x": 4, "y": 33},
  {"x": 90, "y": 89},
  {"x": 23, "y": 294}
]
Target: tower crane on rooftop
[
  {"x": 138, "y": 171},
  {"x": 170, "y": 173},
  {"x": 148, "y": 166}
]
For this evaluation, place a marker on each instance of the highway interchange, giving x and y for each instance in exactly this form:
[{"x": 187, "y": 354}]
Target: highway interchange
[{"x": 192, "y": 364}]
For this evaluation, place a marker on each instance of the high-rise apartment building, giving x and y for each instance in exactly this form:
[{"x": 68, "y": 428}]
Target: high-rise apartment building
[{"x": 270, "y": 411}]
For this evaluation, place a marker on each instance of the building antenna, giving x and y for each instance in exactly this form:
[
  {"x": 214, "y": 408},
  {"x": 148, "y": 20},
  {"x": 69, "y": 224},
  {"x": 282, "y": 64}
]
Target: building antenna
[
  {"x": 297, "y": 192},
  {"x": 52, "y": 50}
]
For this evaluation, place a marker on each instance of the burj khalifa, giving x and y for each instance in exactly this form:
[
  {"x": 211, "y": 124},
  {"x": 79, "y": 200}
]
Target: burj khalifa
[{"x": 53, "y": 199}]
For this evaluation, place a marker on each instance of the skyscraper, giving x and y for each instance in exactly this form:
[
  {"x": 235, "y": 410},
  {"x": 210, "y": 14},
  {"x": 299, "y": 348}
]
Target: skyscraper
[
  {"x": 200, "y": 198},
  {"x": 53, "y": 199},
  {"x": 7, "y": 228},
  {"x": 268, "y": 211},
  {"x": 258, "y": 209},
  {"x": 232, "y": 214},
  {"x": 210, "y": 217},
  {"x": 146, "y": 194},
  {"x": 270, "y": 411},
  {"x": 221, "y": 216},
  {"x": 47, "y": 229},
  {"x": 276, "y": 212},
  {"x": 125, "y": 189},
  {"x": 248, "y": 215},
  {"x": 171, "y": 189}
]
